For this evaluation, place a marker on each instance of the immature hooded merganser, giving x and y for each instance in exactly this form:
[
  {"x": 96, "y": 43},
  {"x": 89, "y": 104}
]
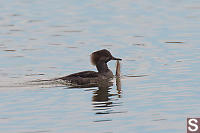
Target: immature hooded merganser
[{"x": 99, "y": 59}]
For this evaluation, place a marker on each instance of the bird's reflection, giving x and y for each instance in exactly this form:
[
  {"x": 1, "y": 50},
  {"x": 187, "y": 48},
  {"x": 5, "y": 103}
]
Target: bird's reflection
[
  {"x": 102, "y": 96},
  {"x": 105, "y": 97},
  {"x": 104, "y": 100}
]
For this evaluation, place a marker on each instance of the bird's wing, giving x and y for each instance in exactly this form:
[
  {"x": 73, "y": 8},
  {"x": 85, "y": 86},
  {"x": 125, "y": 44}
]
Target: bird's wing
[{"x": 84, "y": 74}]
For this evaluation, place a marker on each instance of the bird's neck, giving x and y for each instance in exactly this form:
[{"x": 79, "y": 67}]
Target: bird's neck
[{"x": 102, "y": 67}]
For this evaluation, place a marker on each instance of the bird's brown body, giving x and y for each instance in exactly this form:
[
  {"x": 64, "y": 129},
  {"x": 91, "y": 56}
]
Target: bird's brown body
[{"x": 99, "y": 59}]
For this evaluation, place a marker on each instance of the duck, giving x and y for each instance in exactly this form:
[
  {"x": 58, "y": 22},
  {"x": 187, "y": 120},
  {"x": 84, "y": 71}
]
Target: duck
[{"x": 99, "y": 59}]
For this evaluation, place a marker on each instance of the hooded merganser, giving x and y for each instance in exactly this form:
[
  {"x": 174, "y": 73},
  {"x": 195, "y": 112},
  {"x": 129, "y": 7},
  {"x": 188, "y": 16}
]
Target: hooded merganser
[{"x": 99, "y": 59}]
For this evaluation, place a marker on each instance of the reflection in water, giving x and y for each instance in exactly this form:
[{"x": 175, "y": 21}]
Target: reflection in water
[
  {"x": 102, "y": 96},
  {"x": 104, "y": 100},
  {"x": 118, "y": 84}
]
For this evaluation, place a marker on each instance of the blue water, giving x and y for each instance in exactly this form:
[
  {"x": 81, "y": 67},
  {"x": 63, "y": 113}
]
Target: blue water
[{"x": 157, "y": 40}]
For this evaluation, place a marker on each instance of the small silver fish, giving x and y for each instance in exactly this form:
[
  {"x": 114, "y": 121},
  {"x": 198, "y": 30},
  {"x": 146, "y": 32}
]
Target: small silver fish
[
  {"x": 118, "y": 81},
  {"x": 118, "y": 69}
]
